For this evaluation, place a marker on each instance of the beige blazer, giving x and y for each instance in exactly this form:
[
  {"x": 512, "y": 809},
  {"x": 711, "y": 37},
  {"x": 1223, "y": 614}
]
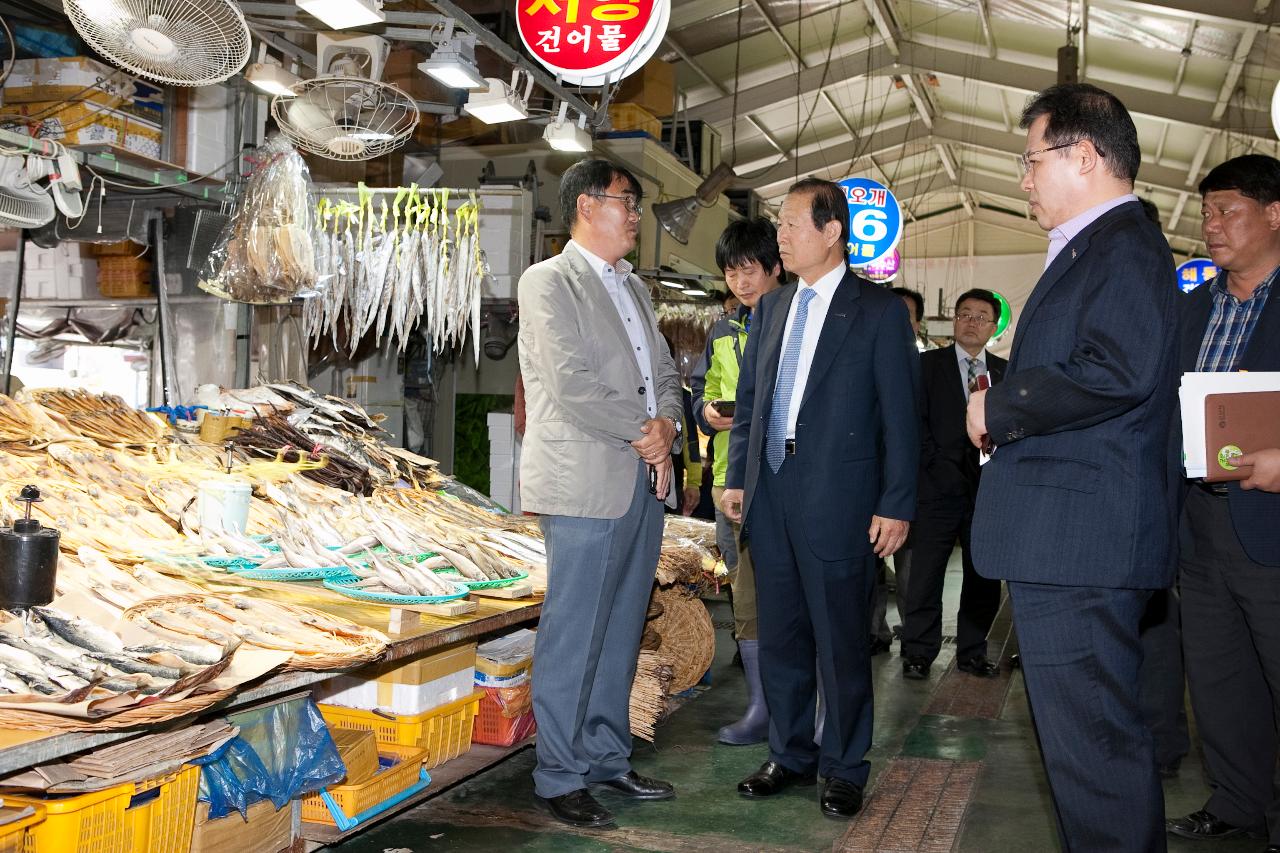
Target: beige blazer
[{"x": 584, "y": 394}]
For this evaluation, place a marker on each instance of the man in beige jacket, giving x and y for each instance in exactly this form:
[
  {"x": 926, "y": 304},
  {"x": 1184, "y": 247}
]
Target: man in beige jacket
[{"x": 603, "y": 409}]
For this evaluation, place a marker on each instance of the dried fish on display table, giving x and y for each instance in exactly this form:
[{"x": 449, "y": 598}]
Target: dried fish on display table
[
  {"x": 394, "y": 261},
  {"x": 272, "y": 436},
  {"x": 104, "y": 418}
]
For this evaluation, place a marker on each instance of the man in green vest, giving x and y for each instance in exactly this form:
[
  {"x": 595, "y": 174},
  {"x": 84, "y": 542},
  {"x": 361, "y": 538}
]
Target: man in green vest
[{"x": 747, "y": 254}]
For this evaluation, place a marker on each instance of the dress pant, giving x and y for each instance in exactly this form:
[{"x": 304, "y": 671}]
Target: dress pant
[
  {"x": 1080, "y": 658},
  {"x": 1163, "y": 683},
  {"x": 1231, "y": 641},
  {"x": 880, "y": 603},
  {"x": 811, "y": 611},
  {"x": 599, "y": 576},
  {"x": 938, "y": 526}
]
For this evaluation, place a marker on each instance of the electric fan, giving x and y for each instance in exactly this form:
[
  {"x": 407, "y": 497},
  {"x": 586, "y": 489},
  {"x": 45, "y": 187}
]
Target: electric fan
[
  {"x": 22, "y": 204},
  {"x": 178, "y": 42},
  {"x": 345, "y": 115}
]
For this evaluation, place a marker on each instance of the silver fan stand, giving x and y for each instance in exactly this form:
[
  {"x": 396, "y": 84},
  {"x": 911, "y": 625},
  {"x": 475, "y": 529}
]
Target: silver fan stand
[{"x": 11, "y": 334}]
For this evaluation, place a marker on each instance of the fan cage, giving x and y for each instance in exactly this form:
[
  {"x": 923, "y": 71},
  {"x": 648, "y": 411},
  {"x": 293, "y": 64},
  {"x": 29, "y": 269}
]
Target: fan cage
[
  {"x": 346, "y": 118},
  {"x": 176, "y": 42}
]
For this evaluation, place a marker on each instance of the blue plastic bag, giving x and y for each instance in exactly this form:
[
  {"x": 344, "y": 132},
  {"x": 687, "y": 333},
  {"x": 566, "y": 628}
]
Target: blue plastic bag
[{"x": 283, "y": 751}]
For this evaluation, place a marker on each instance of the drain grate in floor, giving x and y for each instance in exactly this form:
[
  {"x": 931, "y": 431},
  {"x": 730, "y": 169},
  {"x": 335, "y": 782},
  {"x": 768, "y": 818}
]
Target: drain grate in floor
[{"x": 917, "y": 806}]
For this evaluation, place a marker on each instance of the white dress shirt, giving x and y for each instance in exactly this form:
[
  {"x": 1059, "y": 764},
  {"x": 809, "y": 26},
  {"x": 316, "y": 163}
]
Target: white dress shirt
[
  {"x": 823, "y": 291},
  {"x": 614, "y": 280},
  {"x": 962, "y": 358}
]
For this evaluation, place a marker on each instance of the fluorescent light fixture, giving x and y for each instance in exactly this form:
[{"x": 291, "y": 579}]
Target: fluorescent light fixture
[
  {"x": 674, "y": 285},
  {"x": 271, "y": 78},
  {"x": 343, "y": 14},
  {"x": 453, "y": 63},
  {"x": 563, "y": 135},
  {"x": 693, "y": 291},
  {"x": 499, "y": 102}
]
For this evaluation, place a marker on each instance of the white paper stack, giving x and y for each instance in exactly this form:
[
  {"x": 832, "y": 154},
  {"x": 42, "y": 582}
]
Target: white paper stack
[{"x": 1195, "y": 387}]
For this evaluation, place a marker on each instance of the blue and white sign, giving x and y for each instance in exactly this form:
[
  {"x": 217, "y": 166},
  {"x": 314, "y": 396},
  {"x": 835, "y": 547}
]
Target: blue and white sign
[
  {"x": 875, "y": 221},
  {"x": 1194, "y": 273}
]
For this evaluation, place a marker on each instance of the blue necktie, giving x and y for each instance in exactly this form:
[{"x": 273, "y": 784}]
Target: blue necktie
[{"x": 775, "y": 445}]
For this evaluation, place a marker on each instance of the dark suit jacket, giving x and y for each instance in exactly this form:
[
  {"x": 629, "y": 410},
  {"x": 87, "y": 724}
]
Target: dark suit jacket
[
  {"x": 857, "y": 433},
  {"x": 948, "y": 460},
  {"x": 1254, "y": 514},
  {"x": 1078, "y": 492}
]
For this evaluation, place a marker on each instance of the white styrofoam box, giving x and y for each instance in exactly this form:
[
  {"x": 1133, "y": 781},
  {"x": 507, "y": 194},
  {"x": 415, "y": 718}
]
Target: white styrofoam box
[
  {"x": 207, "y": 126},
  {"x": 351, "y": 691},
  {"x": 501, "y": 420},
  {"x": 38, "y": 284}
]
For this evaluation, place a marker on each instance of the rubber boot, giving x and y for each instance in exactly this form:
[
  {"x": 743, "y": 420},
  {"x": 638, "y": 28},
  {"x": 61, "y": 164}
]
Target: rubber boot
[
  {"x": 820, "y": 721},
  {"x": 754, "y": 726}
]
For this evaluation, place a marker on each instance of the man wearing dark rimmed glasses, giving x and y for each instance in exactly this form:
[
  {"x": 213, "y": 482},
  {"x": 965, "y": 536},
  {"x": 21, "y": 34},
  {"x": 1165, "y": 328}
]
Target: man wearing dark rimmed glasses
[
  {"x": 604, "y": 413},
  {"x": 1076, "y": 508}
]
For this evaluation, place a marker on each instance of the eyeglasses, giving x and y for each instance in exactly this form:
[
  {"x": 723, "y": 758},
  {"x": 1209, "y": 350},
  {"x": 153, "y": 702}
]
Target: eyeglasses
[
  {"x": 1028, "y": 163},
  {"x": 979, "y": 319},
  {"x": 628, "y": 202}
]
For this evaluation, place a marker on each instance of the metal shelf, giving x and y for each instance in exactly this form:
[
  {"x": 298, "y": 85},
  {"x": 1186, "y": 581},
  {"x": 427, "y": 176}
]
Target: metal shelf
[{"x": 140, "y": 302}]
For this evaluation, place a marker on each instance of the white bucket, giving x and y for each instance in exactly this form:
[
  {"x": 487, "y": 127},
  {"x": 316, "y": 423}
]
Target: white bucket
[{"x": 224, "y": 504}]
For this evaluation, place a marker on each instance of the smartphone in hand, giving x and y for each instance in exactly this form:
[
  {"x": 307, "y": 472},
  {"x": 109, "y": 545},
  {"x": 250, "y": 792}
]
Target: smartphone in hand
[{"x": 724, "y": 408}]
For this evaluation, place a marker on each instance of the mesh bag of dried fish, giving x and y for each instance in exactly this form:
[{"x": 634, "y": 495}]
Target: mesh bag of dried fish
[{"x": 265, "y": 254}]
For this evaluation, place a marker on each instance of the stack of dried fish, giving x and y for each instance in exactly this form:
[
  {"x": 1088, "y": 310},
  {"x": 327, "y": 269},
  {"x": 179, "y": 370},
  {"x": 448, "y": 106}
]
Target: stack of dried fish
[
  {"x": 273, "y": 436},
  {"x": 105, "y": 418},
  {"x": 51, "y": 653},
  {"x": 393, "y": 265},
  {"x": 694, "y": 530},
  {"x": 16, "y": 424},
  {"x": 90, "y": 574},
  {"x": 316, "y": 640}
]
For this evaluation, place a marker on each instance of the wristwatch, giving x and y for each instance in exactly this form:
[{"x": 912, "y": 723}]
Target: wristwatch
[{"x": 678, "y": 426}]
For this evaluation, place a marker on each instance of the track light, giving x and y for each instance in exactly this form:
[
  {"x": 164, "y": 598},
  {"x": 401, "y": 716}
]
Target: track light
[
  {"x": 454, "y": 63},
  {"x": 499, "y": 102},
  {"x": 564, "y": 135},
  {"x": 677, "y": 217},
  {"x": 343, "y": 14},
  {"x": 271, "y": 79}
]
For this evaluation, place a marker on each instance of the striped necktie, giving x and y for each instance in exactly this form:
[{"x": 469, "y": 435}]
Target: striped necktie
[
  {"x": 775, "y": 445},
  {"x": 972, "y": 379}
]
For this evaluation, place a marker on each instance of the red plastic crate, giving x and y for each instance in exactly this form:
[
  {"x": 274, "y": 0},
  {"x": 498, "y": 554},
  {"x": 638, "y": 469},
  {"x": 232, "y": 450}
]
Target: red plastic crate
[{"x": 494, "y": 729}]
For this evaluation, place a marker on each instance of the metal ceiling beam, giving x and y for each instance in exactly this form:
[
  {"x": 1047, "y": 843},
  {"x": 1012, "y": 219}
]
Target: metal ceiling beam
[
  {"x": 821, "y": 160},
  {"x": 1233, "y": 73},
  {"x": 777, "y": 33},
  {"x": 988, "y": 35},
  {"x": 887, "y": 30},
  {"x": 1236, "y": 14},
  {"x": 1015, "y": 76},
  {"x": 1185, "y": 56}
]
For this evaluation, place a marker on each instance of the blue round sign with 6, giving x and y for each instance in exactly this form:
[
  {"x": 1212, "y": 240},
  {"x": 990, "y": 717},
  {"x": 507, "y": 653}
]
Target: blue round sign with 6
[{"x": 875, "y": 221}]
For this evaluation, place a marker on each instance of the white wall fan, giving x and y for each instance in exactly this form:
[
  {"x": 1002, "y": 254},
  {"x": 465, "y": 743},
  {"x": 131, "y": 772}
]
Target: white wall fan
[
  {"x": 178, "y": 42},
  {"x": 347, "y": 114},
  {"x": 23, "y": 203}
]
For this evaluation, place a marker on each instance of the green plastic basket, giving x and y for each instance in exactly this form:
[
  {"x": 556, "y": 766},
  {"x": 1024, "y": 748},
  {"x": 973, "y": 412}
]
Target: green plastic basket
[{"x": 344, "y": 585}]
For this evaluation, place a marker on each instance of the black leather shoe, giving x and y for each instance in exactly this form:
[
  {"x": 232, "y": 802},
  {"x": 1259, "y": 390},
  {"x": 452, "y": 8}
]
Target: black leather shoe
[
  {"x": 979, "y": 665},
  {"x": 1169, "y": 770},
  {"x": 1272, "y": 848},
  {"x": 841, "y": 798},
  {"x": 772, "y": 778},
  {"x": 577, "y": 808},
  {"x": 916, "y": 668},
  {"x": 879, "y": 646},
  {"x": 639, "y": 787},
  {"x": 1202, "y": 825}
]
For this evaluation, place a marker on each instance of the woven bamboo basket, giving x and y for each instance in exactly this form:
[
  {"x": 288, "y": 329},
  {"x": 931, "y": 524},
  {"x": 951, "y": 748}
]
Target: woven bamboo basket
[
  {"x": 130, "y": 718},
  {"x": 361, "y": 645},
  {"x": 688, "y": 637}
]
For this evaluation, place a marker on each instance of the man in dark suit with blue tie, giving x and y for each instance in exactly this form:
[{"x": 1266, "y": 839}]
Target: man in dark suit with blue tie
[
  {"x": 1075, "y": 510},
  {"x": 823, "y": 460}
]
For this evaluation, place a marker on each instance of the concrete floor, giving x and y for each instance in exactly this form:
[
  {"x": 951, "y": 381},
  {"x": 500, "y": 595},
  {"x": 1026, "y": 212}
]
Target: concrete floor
[{"x": 1008, "y": 810}]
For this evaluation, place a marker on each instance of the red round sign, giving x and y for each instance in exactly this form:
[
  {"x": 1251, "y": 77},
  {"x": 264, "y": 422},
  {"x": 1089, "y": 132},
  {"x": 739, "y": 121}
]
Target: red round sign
[{"x": 583, "y": 41}]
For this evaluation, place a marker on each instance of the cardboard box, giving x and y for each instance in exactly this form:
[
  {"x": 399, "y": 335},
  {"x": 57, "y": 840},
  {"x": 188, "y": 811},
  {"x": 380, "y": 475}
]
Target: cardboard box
[
  {"x": 406, "y": 688},
  {"x": 266, "y": 830},
  {"x": 359, "y": 751},
  {"x": 653, "y": 87},
  {"x": 82, "y": 78},
  {"x": 628, "y": 118},
  {"x": 87, "y": 123}
]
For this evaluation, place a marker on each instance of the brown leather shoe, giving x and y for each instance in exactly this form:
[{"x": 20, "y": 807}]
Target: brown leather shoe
[{"x": 772, "y": 778}]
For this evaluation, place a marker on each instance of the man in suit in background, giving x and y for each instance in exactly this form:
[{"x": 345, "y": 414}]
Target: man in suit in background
[
  {"x": 603, "y": 414},
  {"x": 1229, "y": 565},
  {"x": 822, "y": 477},
  {"x": 1074, "y": 510},
  {"x": 948, "y": 487}
]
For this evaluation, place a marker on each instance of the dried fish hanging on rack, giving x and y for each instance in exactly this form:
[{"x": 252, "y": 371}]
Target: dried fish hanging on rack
[
  {"x": 390, "y": 265},
  {"x": 687, "y": 324}
]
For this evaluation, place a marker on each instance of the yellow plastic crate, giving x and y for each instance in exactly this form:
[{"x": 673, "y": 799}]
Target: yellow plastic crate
[
  {"x": 13, "y": 835},
  {"x": 162, "y": 812},
  {"x": 86, "y": 823},
  {"x": 354, "y": 799},
  {"x": 444, "y": 732}
]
